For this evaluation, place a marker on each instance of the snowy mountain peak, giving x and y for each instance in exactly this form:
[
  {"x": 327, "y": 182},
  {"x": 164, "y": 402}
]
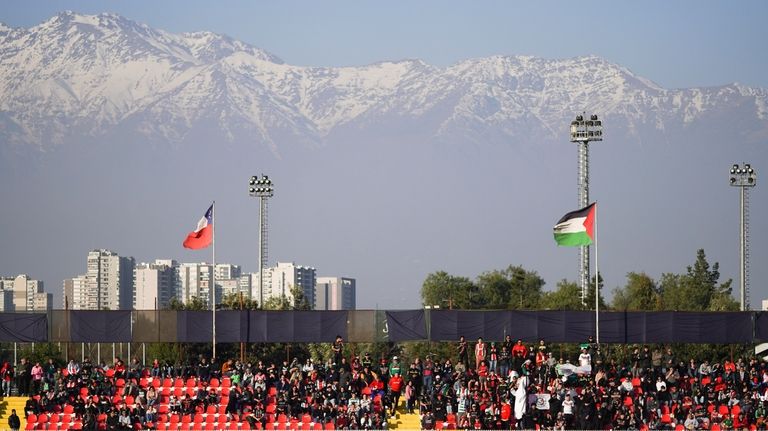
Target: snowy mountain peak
[{"x": 98, "y": 74}]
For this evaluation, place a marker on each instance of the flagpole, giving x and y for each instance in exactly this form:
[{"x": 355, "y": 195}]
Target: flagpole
[
  {"x": 213, "y": 287},
  {"x": 597, "y": 287}
]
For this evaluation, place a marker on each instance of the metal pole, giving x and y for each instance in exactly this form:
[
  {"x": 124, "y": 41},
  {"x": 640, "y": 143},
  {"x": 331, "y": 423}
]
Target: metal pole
[
  {"x": 742, "y": 253},
  {"x": 242, "y": 344},
  {"x": 583, "y": 202},
  {"x": 98, "y": 353},
  {"x": 212, "y": 289},
  {"x": 597, "y": 288},
  {"x": 261, "y": 251}
]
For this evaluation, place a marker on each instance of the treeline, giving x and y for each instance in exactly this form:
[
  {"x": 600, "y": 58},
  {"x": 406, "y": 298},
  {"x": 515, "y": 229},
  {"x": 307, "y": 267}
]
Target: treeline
[{"x": 515, "y": 288}]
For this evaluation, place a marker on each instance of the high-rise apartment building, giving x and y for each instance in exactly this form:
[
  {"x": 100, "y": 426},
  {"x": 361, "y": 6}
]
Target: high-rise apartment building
[
  {"x": 74, "y": 293},
  {"x": 195, "y": 281},
  {"x": 106, "y": 285},
  {"x": 155, "y": 284},
  {"x": 26, "y": 294},
  {"x": 6, "y": 294},
  {"x": 286, "y": 276},
  {"x": 227, "y": 271},
  {"x": 335, "y": 293}
]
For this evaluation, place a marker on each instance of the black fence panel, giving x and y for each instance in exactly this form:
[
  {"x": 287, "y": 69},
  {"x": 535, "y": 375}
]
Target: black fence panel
[
  {"x": 523, "y": 325},
  {"x": 377, "y": 326},
  {"x": 100, "y": 326},
  {"x": 194, "y": 326},
  {"x": 23, "y": 328},
  {"x": 409, "y": 325}
]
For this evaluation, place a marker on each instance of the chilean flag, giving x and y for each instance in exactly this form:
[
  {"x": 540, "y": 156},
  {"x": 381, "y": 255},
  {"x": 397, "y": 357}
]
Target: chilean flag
[{"x": 203, "y": 235}]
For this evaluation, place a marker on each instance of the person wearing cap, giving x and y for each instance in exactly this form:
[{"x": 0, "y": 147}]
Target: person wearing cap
[{"x": 394, "y": 367}]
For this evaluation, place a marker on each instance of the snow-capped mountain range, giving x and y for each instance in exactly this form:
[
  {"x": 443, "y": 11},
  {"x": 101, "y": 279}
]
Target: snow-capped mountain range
[{"x": 84, "y": 75}]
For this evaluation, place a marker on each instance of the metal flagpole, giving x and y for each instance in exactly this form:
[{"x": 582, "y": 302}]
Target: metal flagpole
[
  {"x": 597, "y": 288},
  {"x": 213, "y": 287}
]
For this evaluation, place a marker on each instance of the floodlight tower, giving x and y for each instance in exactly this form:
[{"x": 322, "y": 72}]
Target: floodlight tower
[
  {"x": 263, "y": 189},
  {"x": 743, "y": 177},
  {"x": 583, "y": 132}
]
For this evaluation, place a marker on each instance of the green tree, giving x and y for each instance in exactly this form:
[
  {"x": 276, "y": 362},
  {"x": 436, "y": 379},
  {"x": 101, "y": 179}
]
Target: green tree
[
  {"x": 640, "y": 293},
  {"x": 511, "y": 288},
  {"x": 231, "y": 301},
  {"x": 697, "y": 289},
  {"x": 589, "y": 301},
  {"x": 194, "y": 304},
  {"x": 41, "y": 352},
  {"x": 441, "y": 288},
  {"x": 567, "y": 296},
  {"x": 298, "y": 301}
]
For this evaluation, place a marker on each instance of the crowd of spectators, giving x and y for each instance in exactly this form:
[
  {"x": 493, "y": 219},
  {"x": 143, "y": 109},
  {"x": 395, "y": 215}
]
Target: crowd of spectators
[{"x": 484, "y": 385}]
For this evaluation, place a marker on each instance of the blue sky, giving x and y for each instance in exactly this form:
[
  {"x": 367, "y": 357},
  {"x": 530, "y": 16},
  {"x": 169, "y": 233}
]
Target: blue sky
[{"x": 674, "y": 43}]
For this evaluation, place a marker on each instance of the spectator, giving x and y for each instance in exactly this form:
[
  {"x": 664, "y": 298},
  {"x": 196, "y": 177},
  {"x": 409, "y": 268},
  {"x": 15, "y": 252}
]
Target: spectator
[
  {"x": 6, "y": 377},
  {"x": 14, "y": 423},
  {"x": 480, "y": 352}
]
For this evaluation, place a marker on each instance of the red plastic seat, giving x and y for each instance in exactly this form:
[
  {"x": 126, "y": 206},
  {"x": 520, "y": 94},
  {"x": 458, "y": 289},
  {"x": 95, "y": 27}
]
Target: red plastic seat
[{"x": 330, "y": 426}]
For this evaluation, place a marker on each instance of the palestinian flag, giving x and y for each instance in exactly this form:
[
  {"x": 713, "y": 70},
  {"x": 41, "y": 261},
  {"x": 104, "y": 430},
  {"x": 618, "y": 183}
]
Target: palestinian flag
[{"x": 576, "y": 228}]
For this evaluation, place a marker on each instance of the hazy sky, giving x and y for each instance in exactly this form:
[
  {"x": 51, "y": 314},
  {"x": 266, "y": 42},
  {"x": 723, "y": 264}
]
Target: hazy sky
[
  {"x": 677, "y": 44},
  {"x": 674, "y": 43}
]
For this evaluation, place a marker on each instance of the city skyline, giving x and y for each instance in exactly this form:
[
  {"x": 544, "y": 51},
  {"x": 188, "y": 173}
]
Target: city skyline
[{"x": 168, "y": 278}]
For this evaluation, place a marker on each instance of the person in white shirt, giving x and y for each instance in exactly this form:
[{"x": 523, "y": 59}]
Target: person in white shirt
[
  {"x": 585, "y": 359},
  {"x": 568, "y": 406}
]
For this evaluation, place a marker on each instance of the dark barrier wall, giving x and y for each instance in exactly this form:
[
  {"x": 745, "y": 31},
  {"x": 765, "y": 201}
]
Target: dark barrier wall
[
  {"x": 23, "y": 328},
  {"x": 406, "y": 325},
  {"x": 100, "y": 326},
  {"x": 376, "y": 326}
]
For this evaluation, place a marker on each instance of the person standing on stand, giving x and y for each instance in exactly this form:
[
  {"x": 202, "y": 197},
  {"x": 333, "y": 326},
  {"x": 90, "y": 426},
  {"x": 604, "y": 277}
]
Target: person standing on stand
[
  {"x": 338, "y": 350},
  {"x": 14, "y": 423},
  {"x": 480, "y": 352},
  {"x": 461, "y": 348}
]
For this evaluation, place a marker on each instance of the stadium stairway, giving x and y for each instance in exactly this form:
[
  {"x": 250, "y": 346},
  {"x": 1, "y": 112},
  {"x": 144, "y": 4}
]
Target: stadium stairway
[
  {"x": 403, "y": 420},
  {"x": 9, "y": 403}
]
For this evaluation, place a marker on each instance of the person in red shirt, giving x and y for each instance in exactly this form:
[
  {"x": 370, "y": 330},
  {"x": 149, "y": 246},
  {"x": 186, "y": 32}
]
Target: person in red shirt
[
  {"x": 482, "y": 375},
  {"x": 506, "y": 414},
  {"x": 395, "y": 387}
]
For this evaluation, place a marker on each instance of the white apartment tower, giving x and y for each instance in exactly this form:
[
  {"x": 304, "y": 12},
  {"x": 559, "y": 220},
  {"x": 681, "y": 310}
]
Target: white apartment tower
[
  {"x": 6, "y": 294},
  {"x": 335, "y": 293},
  {"x": 26, "y": 294},
  {"x": 108, "y": 282},
  {"x": 155, "y": 284},
  {"x": 74, "y": 293},
  {"x": 195, "y": 281},
  {"x": 287, "y": 275}
]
